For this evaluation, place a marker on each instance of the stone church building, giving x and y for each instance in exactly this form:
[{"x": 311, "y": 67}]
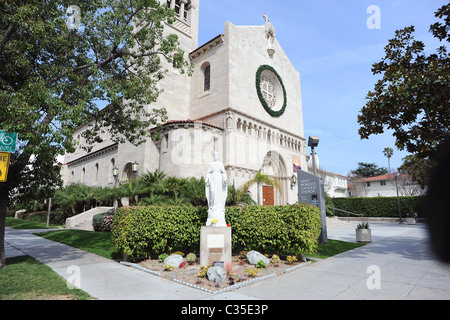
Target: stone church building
[{"x": 243, "y": 100}]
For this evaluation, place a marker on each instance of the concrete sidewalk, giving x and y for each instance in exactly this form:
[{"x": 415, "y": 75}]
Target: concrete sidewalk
[
  {"x": 399, "y": 256},
  {"x": 102, "y": 278}
]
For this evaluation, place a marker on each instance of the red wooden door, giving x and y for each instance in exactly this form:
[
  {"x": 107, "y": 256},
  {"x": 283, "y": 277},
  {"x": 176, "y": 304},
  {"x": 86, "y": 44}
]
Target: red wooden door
[{"x": 268, "y": 196}]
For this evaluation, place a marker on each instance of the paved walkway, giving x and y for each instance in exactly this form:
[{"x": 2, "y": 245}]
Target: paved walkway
[{"x": 398, "y": 264}]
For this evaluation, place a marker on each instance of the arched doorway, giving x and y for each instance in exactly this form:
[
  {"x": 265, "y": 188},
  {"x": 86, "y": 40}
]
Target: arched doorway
[{"x": 275, "y": 167}]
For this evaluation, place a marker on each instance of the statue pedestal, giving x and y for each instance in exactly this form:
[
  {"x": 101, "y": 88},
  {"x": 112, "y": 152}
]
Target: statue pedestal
[{"x": 215, "y": 245}]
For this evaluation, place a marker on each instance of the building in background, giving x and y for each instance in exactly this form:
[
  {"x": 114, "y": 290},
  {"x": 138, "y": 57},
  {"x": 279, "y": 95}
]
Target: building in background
[
  {"x": 243, "y": 100},
  {"x": 385, "y": 186}
]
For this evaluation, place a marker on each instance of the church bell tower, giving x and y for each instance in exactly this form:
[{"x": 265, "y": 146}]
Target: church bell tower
[{"x": 186, "y": 24}]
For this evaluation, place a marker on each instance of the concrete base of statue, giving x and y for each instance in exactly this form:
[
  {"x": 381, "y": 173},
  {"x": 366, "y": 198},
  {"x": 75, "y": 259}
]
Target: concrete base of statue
[{"x": 215, "y": 245}]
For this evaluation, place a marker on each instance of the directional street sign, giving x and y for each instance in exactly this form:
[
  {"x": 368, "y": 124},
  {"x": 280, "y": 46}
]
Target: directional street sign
[
  {"x": 4, "y": 165},
  {"x": 7, "y": 141}
]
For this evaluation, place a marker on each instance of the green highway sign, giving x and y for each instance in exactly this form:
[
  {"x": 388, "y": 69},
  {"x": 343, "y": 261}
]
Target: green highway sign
[{"x": 7, "y": 141}]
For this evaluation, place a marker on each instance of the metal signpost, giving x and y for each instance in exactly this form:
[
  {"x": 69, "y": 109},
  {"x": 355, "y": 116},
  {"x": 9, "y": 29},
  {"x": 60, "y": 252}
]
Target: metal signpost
[{"x": 7, "y": 146}]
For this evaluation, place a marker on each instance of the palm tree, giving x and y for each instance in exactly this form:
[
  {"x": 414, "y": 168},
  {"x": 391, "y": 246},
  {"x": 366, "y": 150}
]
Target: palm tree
[
  {"x": 388, "y": 152},
  {"x": 259, "y": 179}
]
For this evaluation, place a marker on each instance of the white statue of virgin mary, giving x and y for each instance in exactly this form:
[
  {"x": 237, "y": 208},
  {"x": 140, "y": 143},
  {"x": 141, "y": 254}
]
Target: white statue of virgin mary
[{"x": 216, "y": 190}]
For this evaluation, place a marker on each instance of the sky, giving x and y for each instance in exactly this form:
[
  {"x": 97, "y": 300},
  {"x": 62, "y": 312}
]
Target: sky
[{"x": 330, "y": 44}]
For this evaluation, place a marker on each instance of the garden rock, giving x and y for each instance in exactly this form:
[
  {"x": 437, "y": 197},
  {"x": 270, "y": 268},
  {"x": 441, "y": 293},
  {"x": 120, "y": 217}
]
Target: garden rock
[
  {"x": 173, "y": 260},
  {"x": 254, "y": 257},
  {"x": 216, "y": 274}
]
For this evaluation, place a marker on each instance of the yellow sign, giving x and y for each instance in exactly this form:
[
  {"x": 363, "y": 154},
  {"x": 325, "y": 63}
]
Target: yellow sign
[{"x": 4, "y": 165}]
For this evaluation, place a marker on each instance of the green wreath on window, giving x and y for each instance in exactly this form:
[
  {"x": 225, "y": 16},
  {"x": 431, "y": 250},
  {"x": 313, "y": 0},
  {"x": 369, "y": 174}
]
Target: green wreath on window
[{"x": 269, "y": 110}]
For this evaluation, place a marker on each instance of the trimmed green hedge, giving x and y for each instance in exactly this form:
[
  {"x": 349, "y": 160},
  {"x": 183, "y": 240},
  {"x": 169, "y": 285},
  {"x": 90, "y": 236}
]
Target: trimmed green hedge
[
  {"x": 386, "y": 207},
  {"x": 139, "y": 231}
]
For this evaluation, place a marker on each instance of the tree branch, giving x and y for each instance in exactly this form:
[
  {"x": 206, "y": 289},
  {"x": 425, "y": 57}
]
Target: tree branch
[{"x": 8, "y": 33}]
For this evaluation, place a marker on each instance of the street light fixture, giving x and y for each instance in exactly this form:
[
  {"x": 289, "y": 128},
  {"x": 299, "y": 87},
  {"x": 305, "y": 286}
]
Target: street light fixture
[
  {"x": 293, "y": 180},
  {"x": 115, "y": 174},
  {"x": 313, "y": 142},
  {"x": 135, "y": 169}
]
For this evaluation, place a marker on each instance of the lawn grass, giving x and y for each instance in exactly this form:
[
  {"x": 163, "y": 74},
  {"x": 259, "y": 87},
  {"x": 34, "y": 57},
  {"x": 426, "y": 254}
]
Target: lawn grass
[
  {"x": 334, "y": 247},
  {"x": 25, "y": 224},
  {"x": 99, "y": 243},
  {"x": 25, "y": 278}
]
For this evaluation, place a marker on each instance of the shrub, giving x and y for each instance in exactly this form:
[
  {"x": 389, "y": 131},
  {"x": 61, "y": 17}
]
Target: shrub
[
  {"x": 380, "y": 206},
  {"x": 102, "y": 222},
  {"x": 276, "y": 229},
  {"x": 139, "y": 231}
]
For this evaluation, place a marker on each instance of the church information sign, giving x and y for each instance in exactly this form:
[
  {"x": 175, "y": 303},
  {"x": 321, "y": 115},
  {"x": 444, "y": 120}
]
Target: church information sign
[
  {"x": 311, "y": 191},
  {"x": 7, "y": 141}
]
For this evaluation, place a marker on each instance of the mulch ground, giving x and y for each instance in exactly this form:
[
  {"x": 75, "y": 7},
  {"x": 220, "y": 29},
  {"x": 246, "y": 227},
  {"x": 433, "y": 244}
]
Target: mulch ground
[{"x": 238, "y": 272}]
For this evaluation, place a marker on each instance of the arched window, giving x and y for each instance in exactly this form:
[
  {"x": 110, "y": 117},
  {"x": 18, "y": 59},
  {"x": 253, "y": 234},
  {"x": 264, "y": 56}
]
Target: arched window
[{"x": 207, "y": 78}]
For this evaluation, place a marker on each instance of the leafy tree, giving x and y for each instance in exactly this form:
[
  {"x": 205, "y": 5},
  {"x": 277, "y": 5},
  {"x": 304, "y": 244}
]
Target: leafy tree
[
  {"x": 53, "y": 76},
  {"x": 413, "y": 96},
  {"x": 417, "y": 169},
  {"x": 367, "y": 170}
]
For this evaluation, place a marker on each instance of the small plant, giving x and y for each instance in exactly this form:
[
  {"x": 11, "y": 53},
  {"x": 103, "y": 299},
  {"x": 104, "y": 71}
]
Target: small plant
[
  {"x": 363, "y": 225},
  {"x": 182, "y": 265},
  {"x": 291, "y": 259},
  {"x": 242, "y": 263},
  {"x": 191, "y": 258},
  {"x": 229, "y": 268},
  {"x": 260, "y": 264},
  {"x": 178, "y": 252},
  {"x": 168, "y": 267},
  {"x": 275, "y": 259},
  {"x": 252, "y": 272},
  {"x": 162, "y": 257},
  {"x": 203, "y": 271},
  {"x": 243, "y": 254}
]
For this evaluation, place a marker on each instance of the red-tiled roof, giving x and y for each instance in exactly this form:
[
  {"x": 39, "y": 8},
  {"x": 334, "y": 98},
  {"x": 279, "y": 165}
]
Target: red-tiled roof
[{"x": 390, "y": 176}]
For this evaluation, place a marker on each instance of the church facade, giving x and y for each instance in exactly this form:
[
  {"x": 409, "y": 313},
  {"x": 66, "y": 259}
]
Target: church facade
[{"x": 242, "y": 101}]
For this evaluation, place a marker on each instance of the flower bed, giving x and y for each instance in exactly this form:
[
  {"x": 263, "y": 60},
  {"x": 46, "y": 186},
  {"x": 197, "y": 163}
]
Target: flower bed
[{"x": 239, "y": 272}]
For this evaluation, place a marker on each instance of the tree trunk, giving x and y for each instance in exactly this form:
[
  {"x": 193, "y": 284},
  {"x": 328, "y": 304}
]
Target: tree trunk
[{"x": 3, "y": 206}]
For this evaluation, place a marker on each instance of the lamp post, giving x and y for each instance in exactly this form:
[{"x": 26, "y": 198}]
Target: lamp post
[
  {"x": 313, "y": 142},
  {"x": 115, "y": 175},
  {"x": 398, "y": 198}
]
